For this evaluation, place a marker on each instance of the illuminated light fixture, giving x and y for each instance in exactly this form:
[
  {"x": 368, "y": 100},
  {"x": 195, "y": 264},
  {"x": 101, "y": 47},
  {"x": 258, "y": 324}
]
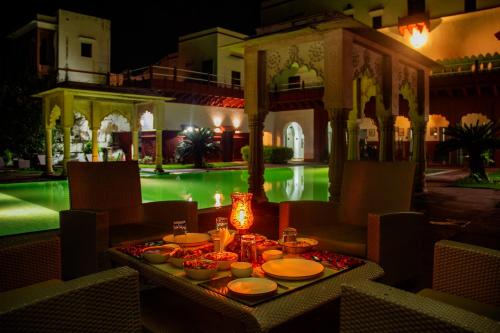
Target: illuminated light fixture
[
  {"x": 189, "y": 129},
  {"x": 217, "y": 130},
  {"x": 236, "y": 122},
  {"x": 241, "y": 211},
  {"x": 415, "y": 29},
  {"x": 217, "y": 121}
]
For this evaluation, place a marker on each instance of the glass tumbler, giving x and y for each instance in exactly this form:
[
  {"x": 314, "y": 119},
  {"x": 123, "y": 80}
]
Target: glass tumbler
[
  {"x": 289, "y": 235},
  {"x": 179, "y": 228},
  {"x": 248, "y": 249},
  {"x": 221, "y": 223}
]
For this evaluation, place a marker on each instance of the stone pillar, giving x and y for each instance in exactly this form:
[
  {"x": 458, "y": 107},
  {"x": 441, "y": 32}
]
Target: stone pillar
[
  {"x": 419, "y": 128},
  {"x": 67, "y": 146},
  {"x": 95, "y": 145},
  {"x": 49, "y": 160},
  {"x": 256, "y": 102},
  {"x": 135, "y": 145},
  {"x": 338, "y": 122},
  {"x": 159, "y": 151},
  {"x": 256, "y": 158},
  {"x": 353, "y": 140},
  {"x": 386, "y": 132}
]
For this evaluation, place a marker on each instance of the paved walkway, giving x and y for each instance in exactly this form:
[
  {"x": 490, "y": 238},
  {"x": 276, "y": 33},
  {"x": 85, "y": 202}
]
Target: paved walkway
[{"x": 478, "y": 208}]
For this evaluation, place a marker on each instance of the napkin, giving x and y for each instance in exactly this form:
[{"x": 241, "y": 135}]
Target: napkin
[{"x": 225, "y": 238}]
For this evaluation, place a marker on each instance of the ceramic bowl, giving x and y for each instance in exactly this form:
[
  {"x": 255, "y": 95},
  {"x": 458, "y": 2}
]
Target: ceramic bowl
[
  {"x": 268, "y": 245},
  {"x": 179, "y": 261},
  {"x": 300, "y": 246},
  {"x": 157, "y": 254},
  {"x": 272, "y": 255},
  {"x": 200, "y": 269},
  {"x": 223, "y": 259},
  {"x": 241, "y": 269}
]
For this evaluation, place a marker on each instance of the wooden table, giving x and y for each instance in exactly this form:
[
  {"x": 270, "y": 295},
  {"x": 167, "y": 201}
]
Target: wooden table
[{"x": 262, "y": 317}]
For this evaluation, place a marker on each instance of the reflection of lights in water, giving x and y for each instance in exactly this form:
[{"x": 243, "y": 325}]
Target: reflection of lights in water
[
  {"x": 295, "y": 187},
  {"x": 268, "y": 186},
  {"x": 218, "y": 200}
]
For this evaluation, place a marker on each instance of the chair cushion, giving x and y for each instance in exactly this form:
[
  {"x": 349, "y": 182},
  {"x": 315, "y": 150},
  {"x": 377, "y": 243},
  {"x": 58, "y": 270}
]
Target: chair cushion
[
  {"x": 479, "y": 308},
  {"x": 344, "y": 238},
  {"x": 135, "y": 232}
]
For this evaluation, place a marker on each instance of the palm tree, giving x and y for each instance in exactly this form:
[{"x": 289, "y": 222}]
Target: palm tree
[
  {"x": 476, "y": 140},
  {"x": 198, "y": 145}
]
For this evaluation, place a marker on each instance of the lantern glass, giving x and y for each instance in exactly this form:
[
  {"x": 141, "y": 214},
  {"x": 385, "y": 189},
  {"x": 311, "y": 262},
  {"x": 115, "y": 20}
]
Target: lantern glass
[{"x": 241, "y": 211}]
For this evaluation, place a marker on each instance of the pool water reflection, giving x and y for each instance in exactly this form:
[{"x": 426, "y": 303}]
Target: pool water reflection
[{"x": 209, "y": 189}]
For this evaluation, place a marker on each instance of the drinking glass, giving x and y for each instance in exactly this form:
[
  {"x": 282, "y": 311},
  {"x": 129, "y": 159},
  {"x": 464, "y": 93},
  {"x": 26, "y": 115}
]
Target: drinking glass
[
  {"x": 179, "y": 228},
  {"x": 221, "y": 222},
  {"x": 289, "y": 235},
  {"x": 248, "y": 249}
]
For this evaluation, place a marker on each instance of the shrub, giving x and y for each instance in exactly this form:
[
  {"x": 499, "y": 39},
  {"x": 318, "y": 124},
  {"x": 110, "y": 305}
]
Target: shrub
[
  {"x": 277, "y": 155},
  {"x": 281, "y": 155}
]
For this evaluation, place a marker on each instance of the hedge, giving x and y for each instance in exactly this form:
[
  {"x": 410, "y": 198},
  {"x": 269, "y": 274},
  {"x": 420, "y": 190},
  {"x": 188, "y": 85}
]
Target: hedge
[{"x": 275, "y": 155}]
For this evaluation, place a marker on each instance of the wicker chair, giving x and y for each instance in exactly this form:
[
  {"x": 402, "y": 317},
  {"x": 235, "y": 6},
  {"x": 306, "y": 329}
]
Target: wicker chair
[
  {"x": 465, "y": 297},
  {"x": 372, "y": 220},
  {"x": 34, "y": 299},
  {"x": 106, "y": 210}
]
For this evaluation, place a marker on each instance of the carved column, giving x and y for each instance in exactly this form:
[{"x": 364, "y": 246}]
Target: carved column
[
  {"x": 49, "y": 160},
  {"x": 338, "y": 122},
  {"x": 256, "y": 96},
  {"x": 256, "y": 157},
  {"x": 67, "y": 146},
  {"x": 386, "y": 132},
  {"x": 353, "y": 140},
  {"x": 159, "y": 111},
  {"x": 95, "y": 144},
  {"x": 419, "y": 128},
  {"x": 135, "y": 145},
  {"x": 159, "y": 151}
]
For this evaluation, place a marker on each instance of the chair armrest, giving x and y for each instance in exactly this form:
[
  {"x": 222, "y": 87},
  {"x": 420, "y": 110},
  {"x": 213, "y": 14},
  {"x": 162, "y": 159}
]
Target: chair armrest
[
  {"x": 368, "y": 306},
  {"x": 310, "y": 217},
  {"x": 165, "y": 212},
  {"x": 84, "y": 240},
  {"x": 394, "y": 242},
  {"x": 103, "y": 302},
  {"x": 29, "y": 259},
  {"x": 467, "y": 270}
]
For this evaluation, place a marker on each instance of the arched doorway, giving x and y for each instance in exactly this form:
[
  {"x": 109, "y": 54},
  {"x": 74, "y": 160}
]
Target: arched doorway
[
  {"x": 114, "y": 137},
  {"x": 294, "y": 138}
]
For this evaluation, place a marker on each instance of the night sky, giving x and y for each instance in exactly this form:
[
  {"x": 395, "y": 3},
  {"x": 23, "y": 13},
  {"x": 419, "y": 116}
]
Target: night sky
[{"x": 147, "y": 30}]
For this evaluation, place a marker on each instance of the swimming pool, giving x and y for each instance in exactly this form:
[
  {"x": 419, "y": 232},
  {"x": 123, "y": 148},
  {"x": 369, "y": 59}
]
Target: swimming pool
[{"x": 28, "y": 207}]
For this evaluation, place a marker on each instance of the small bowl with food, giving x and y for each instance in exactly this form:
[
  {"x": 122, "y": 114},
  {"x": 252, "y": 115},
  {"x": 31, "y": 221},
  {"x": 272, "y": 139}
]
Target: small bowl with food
[
  {"x": 301, "y": 245},
  {"x": 158, "y": 254},
  {"x": 223, "y": 259},
  {"x": 199, "y": 269},
  {"x": 178, "y": 256},
  {"x": 267, "y": 244}
]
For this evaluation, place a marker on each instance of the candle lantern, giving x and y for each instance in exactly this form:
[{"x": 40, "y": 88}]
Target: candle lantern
[{"x": 241, "y": 211}]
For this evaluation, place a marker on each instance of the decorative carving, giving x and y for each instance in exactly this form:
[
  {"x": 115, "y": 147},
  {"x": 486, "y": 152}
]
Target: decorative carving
[{"x": 316, "y": 52}]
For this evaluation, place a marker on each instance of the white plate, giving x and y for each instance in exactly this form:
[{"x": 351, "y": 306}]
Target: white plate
[
  {"x": 292, "y": 269},
  {"x": 252, "y": 286},
  {"x": 189, "y": 239}
]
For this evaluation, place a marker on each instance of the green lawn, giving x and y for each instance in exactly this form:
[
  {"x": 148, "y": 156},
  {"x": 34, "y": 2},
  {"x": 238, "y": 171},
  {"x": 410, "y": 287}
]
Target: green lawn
[
  {"x": 494, "y": 182},
  {"x": 213, "y": 165}
]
